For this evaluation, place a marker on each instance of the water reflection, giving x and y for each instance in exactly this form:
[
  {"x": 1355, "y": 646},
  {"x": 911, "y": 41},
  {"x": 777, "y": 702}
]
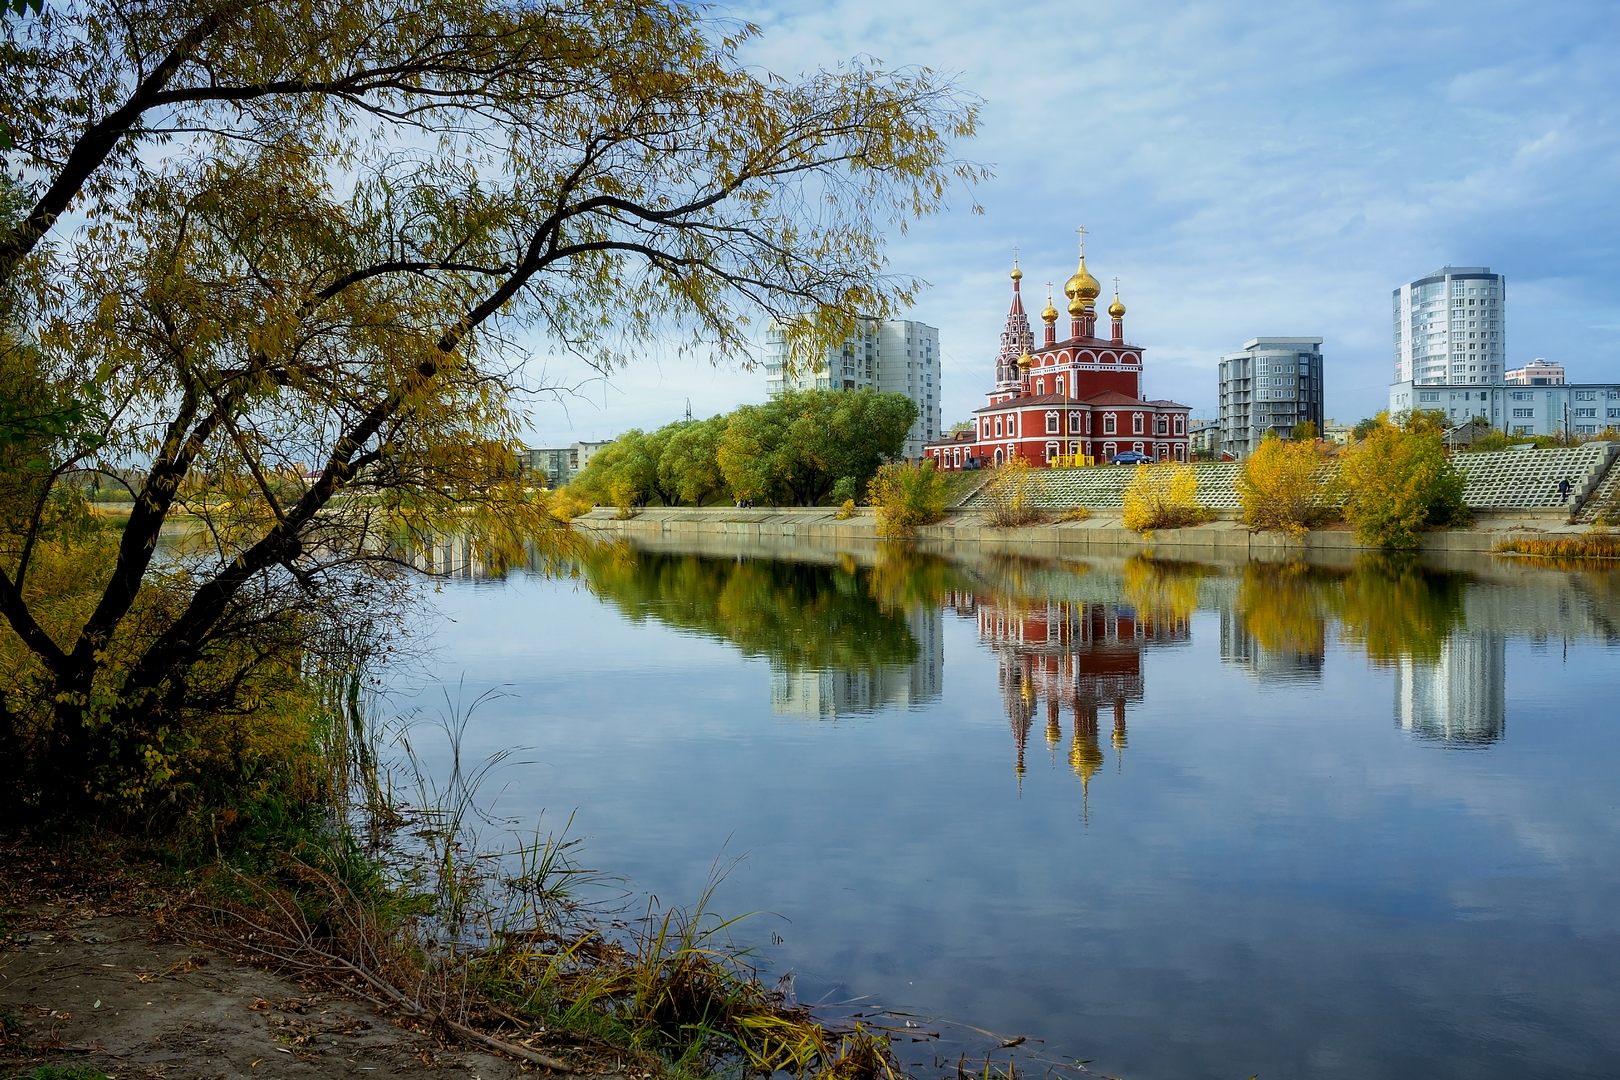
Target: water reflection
[
  {"x": 858, "y": 632},
  {"x": 1459, "y": 698},
  {"x": 1329, "y": 853},
  {"x": 1061, "y": 656}
]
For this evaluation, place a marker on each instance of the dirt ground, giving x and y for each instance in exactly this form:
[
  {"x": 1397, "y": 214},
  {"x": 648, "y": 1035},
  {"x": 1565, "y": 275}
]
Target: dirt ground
[{"x": 90, "y": 979}]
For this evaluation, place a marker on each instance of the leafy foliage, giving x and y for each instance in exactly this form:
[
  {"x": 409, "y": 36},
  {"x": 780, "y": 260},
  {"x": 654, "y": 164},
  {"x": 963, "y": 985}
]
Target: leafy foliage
[
  {"x": 1395, "y": 609},
  {"x": 798, "y": 449},
  {"x": 1010, "y": 495},
  {"x": 1398, "y": 481},
  {"x": 906, "y": 495},
  {"x": 1164, "y": 496},
  {"x": 795, "y": 449},
  {"x": 802, "y": 617},
  {"x": 299, "y": 261},
  {"x": 1283, "y": 487}
]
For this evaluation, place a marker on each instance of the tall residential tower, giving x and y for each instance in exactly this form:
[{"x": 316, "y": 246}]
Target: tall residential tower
[
  {"x": 899, "y": 356},
  {"x": 1449, "y": 327},
  {"x": 1272, "y": 386}
]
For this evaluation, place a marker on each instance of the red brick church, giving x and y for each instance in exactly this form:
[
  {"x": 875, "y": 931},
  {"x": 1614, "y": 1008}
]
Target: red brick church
[{"x": 1075, "y": 401}]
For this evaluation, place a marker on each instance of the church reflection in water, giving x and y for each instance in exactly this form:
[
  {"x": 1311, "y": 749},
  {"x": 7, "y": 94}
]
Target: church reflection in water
[{"x": 1073, "y": 658}]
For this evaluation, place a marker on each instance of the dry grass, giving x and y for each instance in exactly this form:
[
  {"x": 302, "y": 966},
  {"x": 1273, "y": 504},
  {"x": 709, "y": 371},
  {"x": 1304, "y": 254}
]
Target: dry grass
[{"x": 1596, "y": 544}]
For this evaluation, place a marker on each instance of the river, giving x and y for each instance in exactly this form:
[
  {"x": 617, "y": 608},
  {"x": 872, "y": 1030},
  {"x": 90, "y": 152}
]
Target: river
[{"x": 1177, "y": 820}]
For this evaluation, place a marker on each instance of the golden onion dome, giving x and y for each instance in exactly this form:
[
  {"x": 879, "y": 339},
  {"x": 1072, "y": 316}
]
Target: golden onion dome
[
  {"x": 1082, "y": 286},
  {"x": 1049, "y": 313},
  {"x": 1017, "y": 274},
  {"x": 1116, "y": 310},
  {"x": 1026, "y": 361},
  {"x": 1077, "y": 307}
]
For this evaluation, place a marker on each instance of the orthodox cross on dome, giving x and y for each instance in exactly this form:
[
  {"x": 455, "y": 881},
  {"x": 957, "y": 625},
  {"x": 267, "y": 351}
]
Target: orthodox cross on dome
[{"x": 1081, "y": 232}]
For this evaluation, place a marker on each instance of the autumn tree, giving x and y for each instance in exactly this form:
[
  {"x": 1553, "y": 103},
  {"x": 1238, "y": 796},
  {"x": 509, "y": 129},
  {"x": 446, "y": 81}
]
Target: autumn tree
[
  {"x": 1283, "y": 486},
  {"x": 300, "y": 259},
  {"x": 907, "y": 495},
  {"x": 1012, "y": 493},
  {"x": 1398, "y": 481},
  {"x": 1163, "y": 496}
]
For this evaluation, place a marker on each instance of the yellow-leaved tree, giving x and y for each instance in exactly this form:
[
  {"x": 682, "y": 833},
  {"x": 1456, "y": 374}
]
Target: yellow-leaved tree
[
  {"x": 906, "y": 494},
  {"x": 1010, "y": 496},
  {"x": 1399, "y": 481},
  {"x": 1163, "y": 496},
  {"x": 1283, "y": 486},
  {"x": 295, "y": 263}
]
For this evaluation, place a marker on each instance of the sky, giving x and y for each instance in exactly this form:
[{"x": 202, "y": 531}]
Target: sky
[{"x": 1246, "y": 169}]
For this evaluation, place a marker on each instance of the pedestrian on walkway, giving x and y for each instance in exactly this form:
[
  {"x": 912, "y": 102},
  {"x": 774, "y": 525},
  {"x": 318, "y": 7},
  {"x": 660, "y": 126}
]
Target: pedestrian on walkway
[{"x": 1563, "y": 489}]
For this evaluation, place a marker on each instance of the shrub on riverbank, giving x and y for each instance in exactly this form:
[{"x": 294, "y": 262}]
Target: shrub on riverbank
[
  {"x": 1010, "y": 495},
  {"x": 1398, "y": 481},
  {"x": 906, "y": 495},
  {"x": 1282, "y": 487},
  {"x": 1164, "y": 496}
]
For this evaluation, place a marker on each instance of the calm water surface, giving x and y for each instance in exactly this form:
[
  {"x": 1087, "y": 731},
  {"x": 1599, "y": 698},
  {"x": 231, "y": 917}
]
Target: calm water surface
[{"x": 1181, "y": 820}]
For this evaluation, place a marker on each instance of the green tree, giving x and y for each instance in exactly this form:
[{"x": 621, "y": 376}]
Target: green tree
[
  {"x": 321, "y": 240},
  {"x": 799, "y": 447},
  {"x": 689, "y": 467},
  {"x": 1305, "y": 431},
  {"x": 1398, "y": 482},
  {"x": 1364, "y": 428},
  {"x": 746, "y": 453}
]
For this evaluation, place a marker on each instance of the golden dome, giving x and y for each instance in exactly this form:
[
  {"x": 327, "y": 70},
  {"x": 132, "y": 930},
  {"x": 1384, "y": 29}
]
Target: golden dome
[
  {"x": 1116, "y": 310},
  {"x": 1077, "y": 307},
  {"x": 1049, "y": 313},
  {"x": 1082, "y": 286},
  {"x": 1026, "y": 361},
  {"x": 1017, "y": 274}
]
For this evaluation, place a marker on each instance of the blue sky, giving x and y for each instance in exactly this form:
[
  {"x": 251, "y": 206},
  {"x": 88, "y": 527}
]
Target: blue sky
[{"x": 1260, "y": 168}]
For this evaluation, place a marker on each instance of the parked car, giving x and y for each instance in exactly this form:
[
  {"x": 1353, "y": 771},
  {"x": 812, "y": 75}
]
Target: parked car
[{"x": 1131, "y": 457}]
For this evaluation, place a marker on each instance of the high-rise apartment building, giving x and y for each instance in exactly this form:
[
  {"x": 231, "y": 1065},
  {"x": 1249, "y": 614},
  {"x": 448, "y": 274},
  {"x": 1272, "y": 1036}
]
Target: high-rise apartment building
[
  {"x": 1449, "y": 327},
  {"x": 899, "y": 356},
  {"x": 1537, "y": 372},
  {"x": 1273, "y": 385}
]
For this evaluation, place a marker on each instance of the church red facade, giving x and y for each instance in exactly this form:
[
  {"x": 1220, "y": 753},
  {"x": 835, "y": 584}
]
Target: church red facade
[{"x": 1074, "y": 401}]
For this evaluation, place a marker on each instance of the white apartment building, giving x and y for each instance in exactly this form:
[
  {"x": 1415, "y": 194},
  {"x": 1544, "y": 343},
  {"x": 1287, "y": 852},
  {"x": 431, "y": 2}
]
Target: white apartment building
[
  {"x": 898, "y": 356},
  {"x": 1537, "y": 372},
  {"x": 1274, "y": 384},
  {"x": 1573, "y": 410},
  {"x": 1449, "y": 327}
]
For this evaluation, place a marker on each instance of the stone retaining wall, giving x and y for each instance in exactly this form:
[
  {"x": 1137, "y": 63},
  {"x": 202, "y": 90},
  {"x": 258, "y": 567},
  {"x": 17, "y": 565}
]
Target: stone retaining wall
[
  {"x": 1229, "y": 538},
  {"x": 1506, "y": 480}
]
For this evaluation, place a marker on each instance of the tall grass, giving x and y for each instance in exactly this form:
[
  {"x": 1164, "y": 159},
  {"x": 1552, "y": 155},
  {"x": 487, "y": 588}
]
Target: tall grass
[
  {"x": 1598, "y": 543},
  {"x": 514, "y": 945}
]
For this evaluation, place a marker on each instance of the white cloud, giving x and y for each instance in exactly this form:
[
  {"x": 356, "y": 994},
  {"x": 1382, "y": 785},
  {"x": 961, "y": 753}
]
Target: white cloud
[{"x": 1246, "y": 169}]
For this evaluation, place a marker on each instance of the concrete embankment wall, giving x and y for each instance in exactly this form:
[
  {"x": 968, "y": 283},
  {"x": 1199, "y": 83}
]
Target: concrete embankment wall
[
  {"x": 1227, "y": 538},
  {"x": 1514, "y": 493},
  {"x": 1504, "y": 481}
]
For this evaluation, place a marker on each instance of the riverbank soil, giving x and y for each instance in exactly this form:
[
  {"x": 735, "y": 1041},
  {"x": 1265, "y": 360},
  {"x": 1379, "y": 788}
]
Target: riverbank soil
[{"x": 96, "y": 975}]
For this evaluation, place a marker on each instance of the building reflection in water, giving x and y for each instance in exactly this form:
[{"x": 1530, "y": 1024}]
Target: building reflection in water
[
  {"x": 1298, "y": 659},
  {"x": 831, "y": 693},
  {"x": 1061, "y": 656},
  {"x": 1459, "y": 698}
]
